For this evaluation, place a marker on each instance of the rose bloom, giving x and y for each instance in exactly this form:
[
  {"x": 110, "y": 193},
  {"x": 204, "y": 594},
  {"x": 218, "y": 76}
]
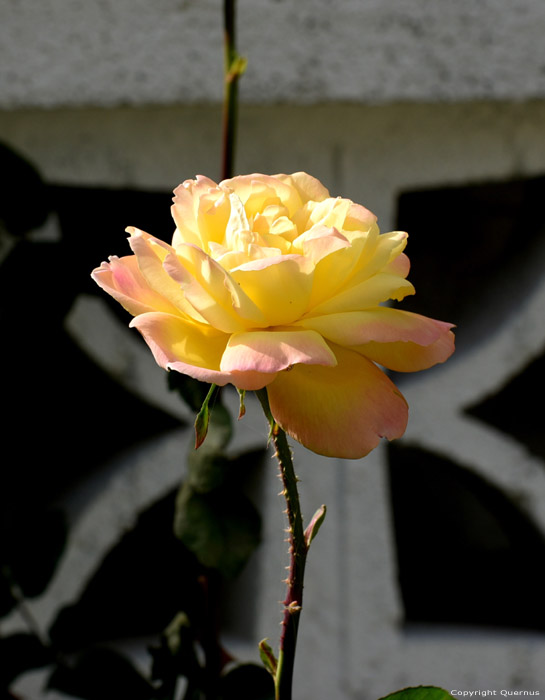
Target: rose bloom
[{"x": 270, "y": 282}]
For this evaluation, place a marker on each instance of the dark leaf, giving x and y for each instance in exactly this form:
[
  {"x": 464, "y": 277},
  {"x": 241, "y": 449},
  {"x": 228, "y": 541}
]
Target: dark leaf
[{"x": 222, "y": 528}]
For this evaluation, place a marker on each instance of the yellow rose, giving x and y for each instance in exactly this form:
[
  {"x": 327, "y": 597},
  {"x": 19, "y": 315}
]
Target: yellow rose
[{"x": 270, "y": 282}]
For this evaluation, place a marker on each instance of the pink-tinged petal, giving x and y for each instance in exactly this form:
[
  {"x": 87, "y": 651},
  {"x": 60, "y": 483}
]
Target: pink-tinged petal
[
  {"x": 273, "y": 351},
  {"x": 409, "y": 357},
  {"x": 321, "y": 241},
  {"x": 193, "y": 349},
  {"x": 279, "y": 286},
  {"x": 122, "y": 279},
  {"x": 151, "y": 253},
  {"x": 382, "y": 324},
  {"x": 359, "y": 218},
  {"x": 340, "y": 411},
  {"x": 211, "y": 291},
  {"x": 400, "y": 266}
]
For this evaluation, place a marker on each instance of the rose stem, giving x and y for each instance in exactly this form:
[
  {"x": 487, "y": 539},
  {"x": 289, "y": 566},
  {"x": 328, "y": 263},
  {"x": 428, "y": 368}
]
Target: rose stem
[
  {"x": 230, "y": 97},
  {"x": 298, "y": 549}
]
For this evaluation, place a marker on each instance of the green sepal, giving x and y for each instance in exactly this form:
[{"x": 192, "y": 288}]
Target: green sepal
[
  {"x": 242, "y": 408},
  {"x": 315, "y": 524},
  {"x": 267, "y": 656},
  {"x": 203, "y": 417}
]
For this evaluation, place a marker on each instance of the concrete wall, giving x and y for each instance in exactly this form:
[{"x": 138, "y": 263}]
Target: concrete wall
[{"x": 69, "y": 52}]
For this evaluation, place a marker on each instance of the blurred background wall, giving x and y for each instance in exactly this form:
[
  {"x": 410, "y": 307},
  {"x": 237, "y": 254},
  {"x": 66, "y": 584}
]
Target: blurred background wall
[{"x": 431, "y": 114}]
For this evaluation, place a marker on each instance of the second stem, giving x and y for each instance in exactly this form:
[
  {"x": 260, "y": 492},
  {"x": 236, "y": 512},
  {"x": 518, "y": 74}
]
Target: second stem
[{"x": 298, "y": 556}]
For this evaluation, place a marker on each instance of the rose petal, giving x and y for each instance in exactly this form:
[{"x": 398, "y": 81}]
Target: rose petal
[
  {"x": 400, "y": 265},
  {"x": 308, "y": 187},
  {"x": 320, "y": 241},
  {"x": 200, "y": 211},
  {"x": 258, "y": 191},
  {"x": 193, "y": 349},
  {"x": 210, "y": 290},
  {"x": 151, "y": 253},
  {"x": 280, "y": 287},
  {"x": 408, "y": 356},
  {"x": 378, "y": 254},
  {"x": 340, "y": 411},
  {"x": 273, "y": 351},
  {"x": 122, "y": 279},
  {"x": 366, "y": 295},
  {"x": 382, "y": 324}
]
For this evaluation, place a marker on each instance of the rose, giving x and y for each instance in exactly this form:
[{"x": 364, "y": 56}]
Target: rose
[{"x": 270, "y": 282}]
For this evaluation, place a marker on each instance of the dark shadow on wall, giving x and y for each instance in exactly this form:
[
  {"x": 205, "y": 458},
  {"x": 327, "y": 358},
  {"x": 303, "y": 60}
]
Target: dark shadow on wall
[{"x": 467, "y": 553}]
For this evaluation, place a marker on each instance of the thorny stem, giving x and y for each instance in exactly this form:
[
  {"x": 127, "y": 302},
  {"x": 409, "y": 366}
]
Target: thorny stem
[
  {"x": 232, "y": 73},
  {"x": 298, "y": 549}
]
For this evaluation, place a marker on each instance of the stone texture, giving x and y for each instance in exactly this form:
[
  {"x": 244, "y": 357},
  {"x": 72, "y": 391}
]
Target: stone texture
[{"x": 117, "y": 52}]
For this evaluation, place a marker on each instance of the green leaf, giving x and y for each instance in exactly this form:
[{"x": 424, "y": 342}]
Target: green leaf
[
  {"x": 18, "y": 653},
  {"x": 267, "y": 656},
  {"x": 247, "y": 682},
  {"x": 315, "y": 524},
  {"x": 421, "y": 692},
  {"x": 222, "y": 528}
]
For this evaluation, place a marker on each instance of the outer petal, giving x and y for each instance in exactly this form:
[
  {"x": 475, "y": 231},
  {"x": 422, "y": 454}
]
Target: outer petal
[
  {"x": 407, "y": 356},
  {"x": 400, "y": 340},
  {"x": 382, "y": 324},
  {"x": 273, "y": 351},
  {"x": 193, "y": 349},
  {"x": 340, "y": 411},
  {"x": 151, "y": 254},
  {"x": 122, "y": 279},
  {"x": 399, "y": 266}
]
